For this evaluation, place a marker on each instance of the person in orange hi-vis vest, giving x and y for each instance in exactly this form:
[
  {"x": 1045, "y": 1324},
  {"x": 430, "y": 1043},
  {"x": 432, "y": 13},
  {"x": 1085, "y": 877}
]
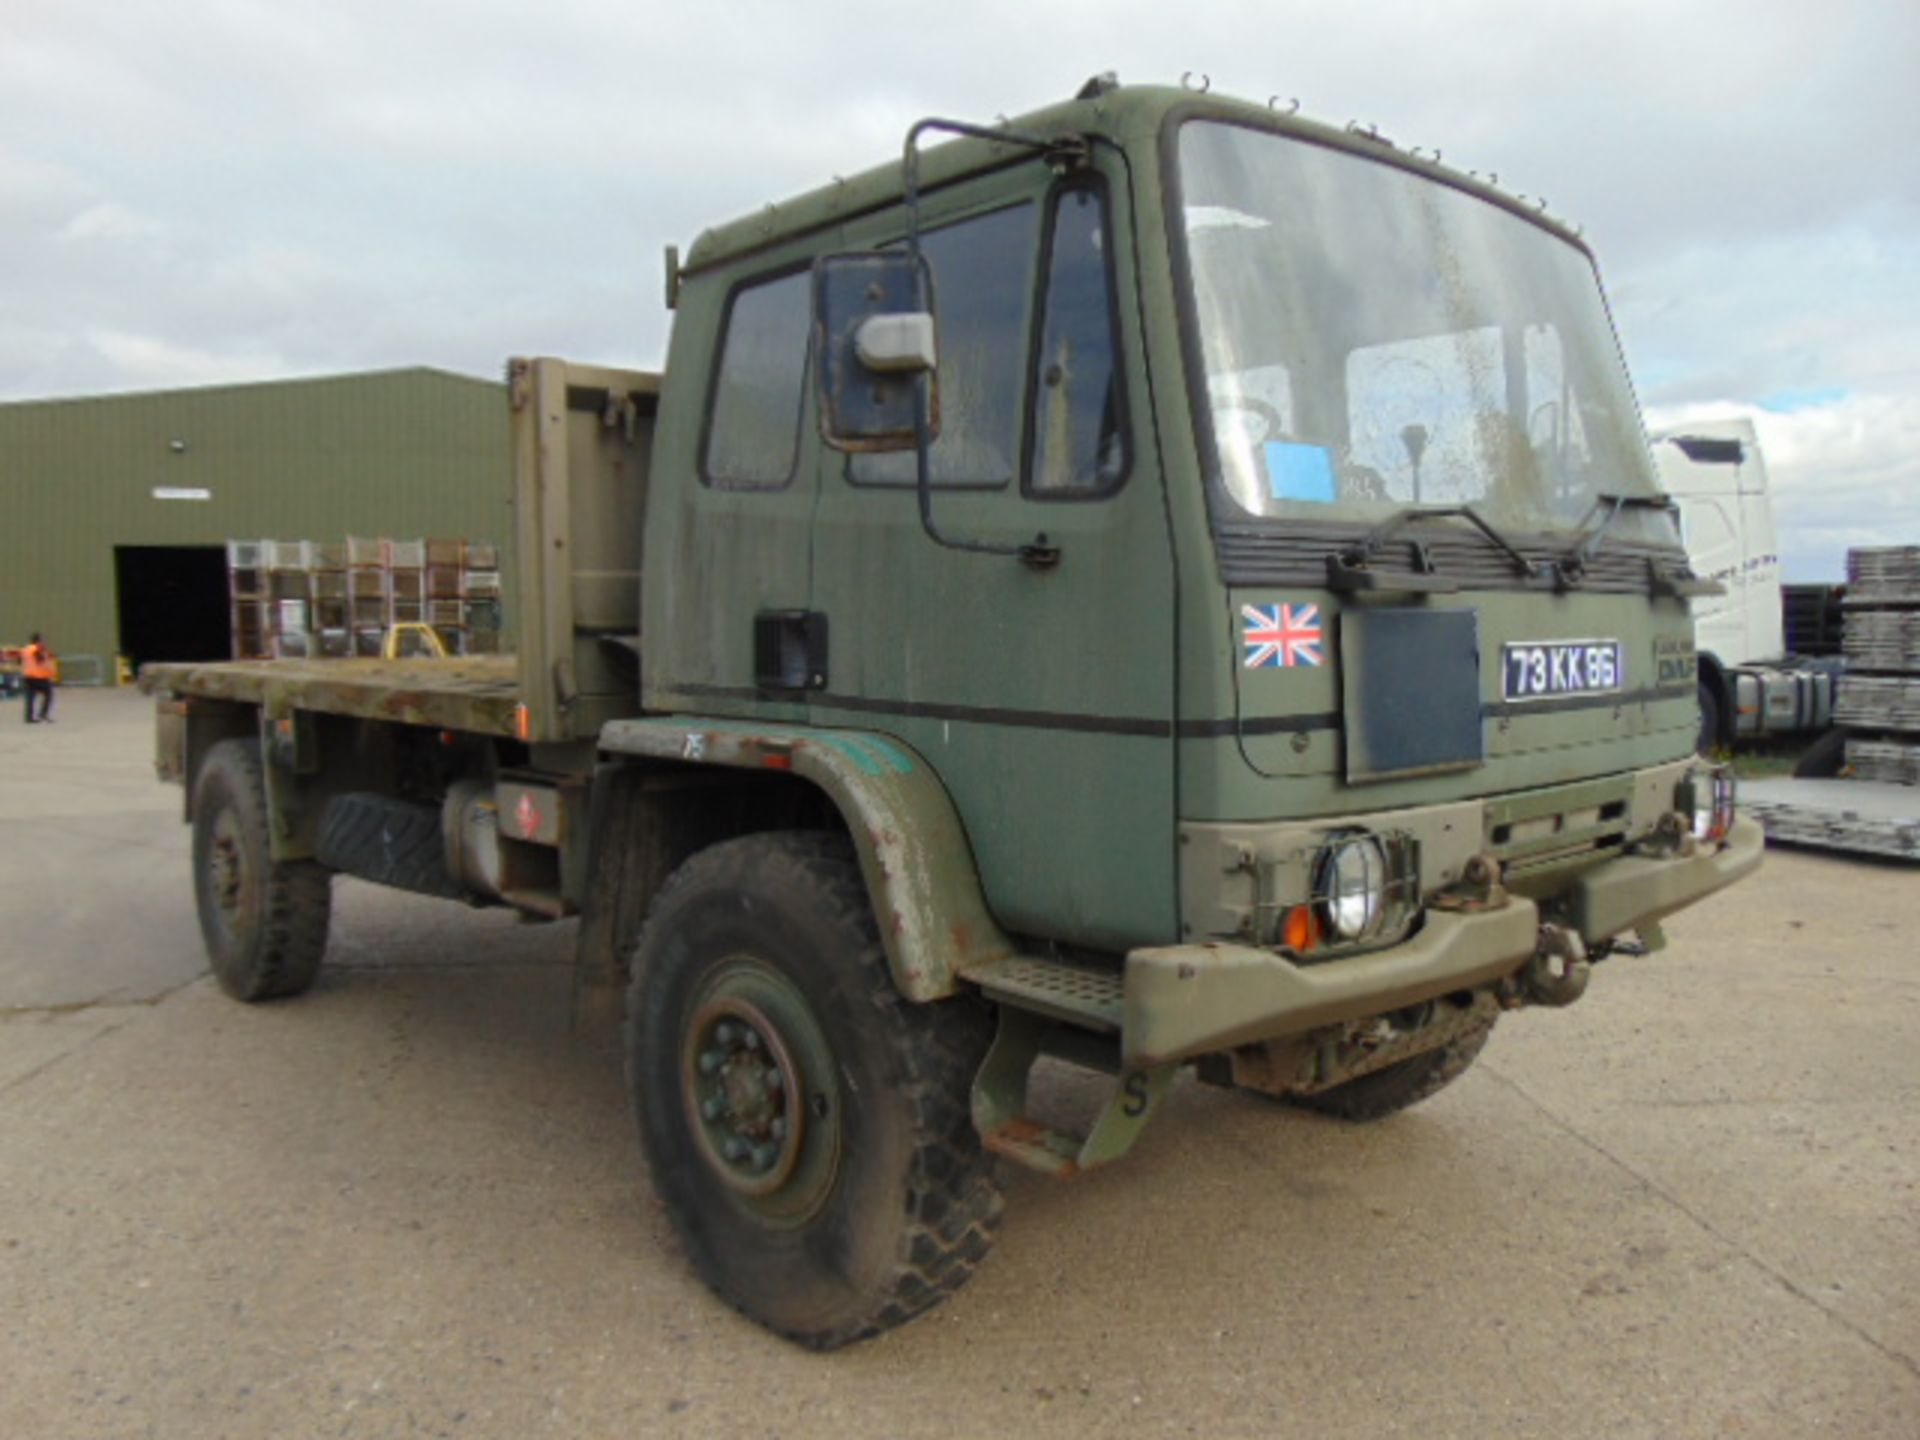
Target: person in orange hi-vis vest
[{"x": 36, "y": 668}]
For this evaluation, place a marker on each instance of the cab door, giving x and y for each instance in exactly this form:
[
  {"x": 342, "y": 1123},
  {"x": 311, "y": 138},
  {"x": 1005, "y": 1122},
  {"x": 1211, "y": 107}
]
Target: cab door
[
  {"x": 1042, "y": 692},
  {"x": 729, "y": 556}
]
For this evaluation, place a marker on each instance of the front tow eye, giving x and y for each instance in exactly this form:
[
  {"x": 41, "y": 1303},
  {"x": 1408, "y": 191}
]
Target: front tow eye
[{"x": 1559, "y": 970}]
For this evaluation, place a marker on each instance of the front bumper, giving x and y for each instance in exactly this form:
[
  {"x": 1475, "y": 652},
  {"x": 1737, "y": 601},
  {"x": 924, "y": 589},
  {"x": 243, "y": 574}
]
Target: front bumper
[{"x": 1187, "y": 1000}]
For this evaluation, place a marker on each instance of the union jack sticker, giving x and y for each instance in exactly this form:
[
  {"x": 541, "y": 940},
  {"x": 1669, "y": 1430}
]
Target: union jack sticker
[{"x": 1280, "y": 634}]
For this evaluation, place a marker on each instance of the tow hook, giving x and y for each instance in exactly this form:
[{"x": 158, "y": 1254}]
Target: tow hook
[
  {"x": 1559, "y": 970},
  {"x": 1479, "y": 888},
  {"x": 1670, "y": 838}
]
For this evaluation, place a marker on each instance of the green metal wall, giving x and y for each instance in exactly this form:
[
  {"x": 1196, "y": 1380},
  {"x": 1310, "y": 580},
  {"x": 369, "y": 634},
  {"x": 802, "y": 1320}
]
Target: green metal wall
[{"x": 405, "y": 453}]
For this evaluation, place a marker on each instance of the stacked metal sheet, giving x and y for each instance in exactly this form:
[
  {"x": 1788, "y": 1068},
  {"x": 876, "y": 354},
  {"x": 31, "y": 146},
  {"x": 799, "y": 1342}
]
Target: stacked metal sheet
[
  {"x": 1883, "y": 575},
  {"x": 1879, "y": 698},
  {"x": 1834, "y": 826},
  {"x": 1890, "y": 761},
  {"x": 1873, "y": 805},
  {"x": 1883, "y": 640},
  {"x": 1878, "y": 702}
]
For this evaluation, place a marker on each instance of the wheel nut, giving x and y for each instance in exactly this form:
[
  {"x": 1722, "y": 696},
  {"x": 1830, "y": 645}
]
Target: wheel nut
[
  {"x": 713, "y": 1107},
  {"x": 712, "y": 1060},
  {"x": 735, "y": 1148},
  {"x": 764, "y": 1156},
  {"x": 725, "y": 1033},
  {"x": 777, "y": 1127},
  {"x": 774, "y": 1082},
  {"x": 750, "y": 1039}
]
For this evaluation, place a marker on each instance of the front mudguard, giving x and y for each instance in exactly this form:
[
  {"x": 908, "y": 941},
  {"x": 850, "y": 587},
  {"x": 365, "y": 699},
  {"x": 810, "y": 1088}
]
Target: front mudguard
[{"x": 914, "y": 855}]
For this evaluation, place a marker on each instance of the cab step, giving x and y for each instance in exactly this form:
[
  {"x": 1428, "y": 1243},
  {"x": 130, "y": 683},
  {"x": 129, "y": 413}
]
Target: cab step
[
  {"x": 1085, "y": 995},
  {"x": 1000, "y": 1103},
  {"x": 1036, "y": 1146}
]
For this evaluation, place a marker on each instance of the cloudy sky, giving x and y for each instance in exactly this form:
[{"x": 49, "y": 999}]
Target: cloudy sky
[{"x": 205, "y": 191}]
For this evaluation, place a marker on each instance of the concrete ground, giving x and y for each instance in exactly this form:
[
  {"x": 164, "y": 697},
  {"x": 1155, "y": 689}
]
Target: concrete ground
[{"x": 411, "y": 1202}]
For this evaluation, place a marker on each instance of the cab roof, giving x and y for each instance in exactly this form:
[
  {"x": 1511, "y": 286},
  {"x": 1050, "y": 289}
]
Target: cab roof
[{"x": 1127, "y": 115}]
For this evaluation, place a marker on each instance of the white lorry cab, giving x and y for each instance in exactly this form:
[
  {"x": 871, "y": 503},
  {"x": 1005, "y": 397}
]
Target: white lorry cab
[{"x": 1750, "y": 684}]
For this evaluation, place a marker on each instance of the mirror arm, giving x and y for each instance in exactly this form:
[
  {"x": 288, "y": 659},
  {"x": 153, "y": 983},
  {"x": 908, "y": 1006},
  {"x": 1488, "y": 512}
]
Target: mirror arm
[{"x": 1068, "y": 152}]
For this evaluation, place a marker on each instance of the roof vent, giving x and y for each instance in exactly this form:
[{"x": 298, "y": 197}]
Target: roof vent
[{"x": 1104, "y": 83}]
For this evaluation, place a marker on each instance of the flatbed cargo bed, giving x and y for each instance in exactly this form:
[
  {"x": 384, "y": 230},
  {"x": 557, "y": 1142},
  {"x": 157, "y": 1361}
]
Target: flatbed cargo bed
[{"x": 476, "y": 693}]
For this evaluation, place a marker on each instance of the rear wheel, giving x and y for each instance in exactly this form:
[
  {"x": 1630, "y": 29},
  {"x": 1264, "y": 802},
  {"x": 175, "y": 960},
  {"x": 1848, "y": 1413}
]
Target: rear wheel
[
  {"x": 1394, "y": 1088},
  {"x": 264, "y": 922},
  {"x": 808, "y": 1129}
]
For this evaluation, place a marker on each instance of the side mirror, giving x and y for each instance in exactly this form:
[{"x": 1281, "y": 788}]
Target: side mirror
[{"x": 874, "y": 337}]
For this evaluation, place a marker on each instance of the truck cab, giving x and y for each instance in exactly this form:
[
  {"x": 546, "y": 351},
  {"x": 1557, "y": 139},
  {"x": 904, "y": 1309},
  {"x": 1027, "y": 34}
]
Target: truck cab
[
  {"x": 1751, "y": 686},
  {"x": 1350, "y": 521}
]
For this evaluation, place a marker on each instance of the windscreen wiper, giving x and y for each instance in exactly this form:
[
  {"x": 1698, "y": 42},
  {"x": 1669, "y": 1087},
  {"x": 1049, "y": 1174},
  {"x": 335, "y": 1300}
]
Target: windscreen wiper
[
  {"x": 1350, "y": 568},
  {"x": 1571, "y": 568},
  {"x": 1679, "y": 581}
]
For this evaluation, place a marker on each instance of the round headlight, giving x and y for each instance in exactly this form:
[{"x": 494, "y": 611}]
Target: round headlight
[{"x": 1352, "y": 886}]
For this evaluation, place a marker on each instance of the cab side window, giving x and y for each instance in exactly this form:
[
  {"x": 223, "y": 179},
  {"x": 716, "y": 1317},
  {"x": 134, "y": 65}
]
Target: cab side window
[
  {"x": 1077, "y": 444},
  {"x": 982, "y": 289},
  {"x": 753, "y": 425}
]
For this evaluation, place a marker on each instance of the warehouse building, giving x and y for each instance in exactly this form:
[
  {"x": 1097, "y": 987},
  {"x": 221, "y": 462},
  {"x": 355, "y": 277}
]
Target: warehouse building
[{"x": 118, "y": 509}]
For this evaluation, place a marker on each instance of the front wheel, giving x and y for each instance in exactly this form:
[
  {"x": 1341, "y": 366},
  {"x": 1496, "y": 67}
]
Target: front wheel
[
  {"x": 264, "y": 921},
  {"x": 807, "y": 1128},
  {"x": 1394, "y": 1088}
]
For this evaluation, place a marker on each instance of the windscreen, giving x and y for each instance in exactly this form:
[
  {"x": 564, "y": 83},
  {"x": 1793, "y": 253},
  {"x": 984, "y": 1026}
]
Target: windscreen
[{"x": 1374, "y": 339}]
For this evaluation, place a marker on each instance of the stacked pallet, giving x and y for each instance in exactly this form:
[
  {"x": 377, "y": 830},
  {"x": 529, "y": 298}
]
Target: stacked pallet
[
  {"x": 480, "y": 597},
  {"x": 1880, "y": 695},
  {"x": 366, "y": 595},
  {"x": 311, "y": 598},
  {"x": 290, "y": 583},
  {"x": 249, "y": 609},
  {"x": 331, "y": 612}
]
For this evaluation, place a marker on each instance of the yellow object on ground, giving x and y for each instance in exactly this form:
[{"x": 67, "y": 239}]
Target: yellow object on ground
[{"x": 429, "y": 640}]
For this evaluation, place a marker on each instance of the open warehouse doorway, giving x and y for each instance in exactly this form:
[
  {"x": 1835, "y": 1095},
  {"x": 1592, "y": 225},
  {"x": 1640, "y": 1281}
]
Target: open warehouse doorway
[{"x": 173, "y": 602}]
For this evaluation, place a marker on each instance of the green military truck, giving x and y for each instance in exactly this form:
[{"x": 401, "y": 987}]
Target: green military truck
[{"x": 1157, "y": 584}]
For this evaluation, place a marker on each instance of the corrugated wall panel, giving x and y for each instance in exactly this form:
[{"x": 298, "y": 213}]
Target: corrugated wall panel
[{"x": 410, "y": 454}]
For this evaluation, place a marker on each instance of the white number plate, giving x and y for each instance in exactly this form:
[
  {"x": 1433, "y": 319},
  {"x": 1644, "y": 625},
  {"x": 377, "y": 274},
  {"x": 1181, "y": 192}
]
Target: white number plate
[{"x": 1549, "y": 669}]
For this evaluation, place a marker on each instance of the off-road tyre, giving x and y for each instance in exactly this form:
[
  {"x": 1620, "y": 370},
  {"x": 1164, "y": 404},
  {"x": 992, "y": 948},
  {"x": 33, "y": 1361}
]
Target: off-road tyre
[
  {"x": 1709, "y": 738},
  {"x": 1824, "y": 759},
  {"x": 882, "y": 1201},
  {"x": 1389, "y": 1090},
  {"x": 264, "y": 923}
]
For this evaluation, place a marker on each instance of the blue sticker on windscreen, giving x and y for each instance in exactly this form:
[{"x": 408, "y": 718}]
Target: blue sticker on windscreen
[{"x": 1299, "y": 472}]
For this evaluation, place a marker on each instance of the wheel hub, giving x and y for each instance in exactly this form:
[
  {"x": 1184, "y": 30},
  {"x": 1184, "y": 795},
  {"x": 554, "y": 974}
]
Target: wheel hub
[{"x": 744, "y": 1089}]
